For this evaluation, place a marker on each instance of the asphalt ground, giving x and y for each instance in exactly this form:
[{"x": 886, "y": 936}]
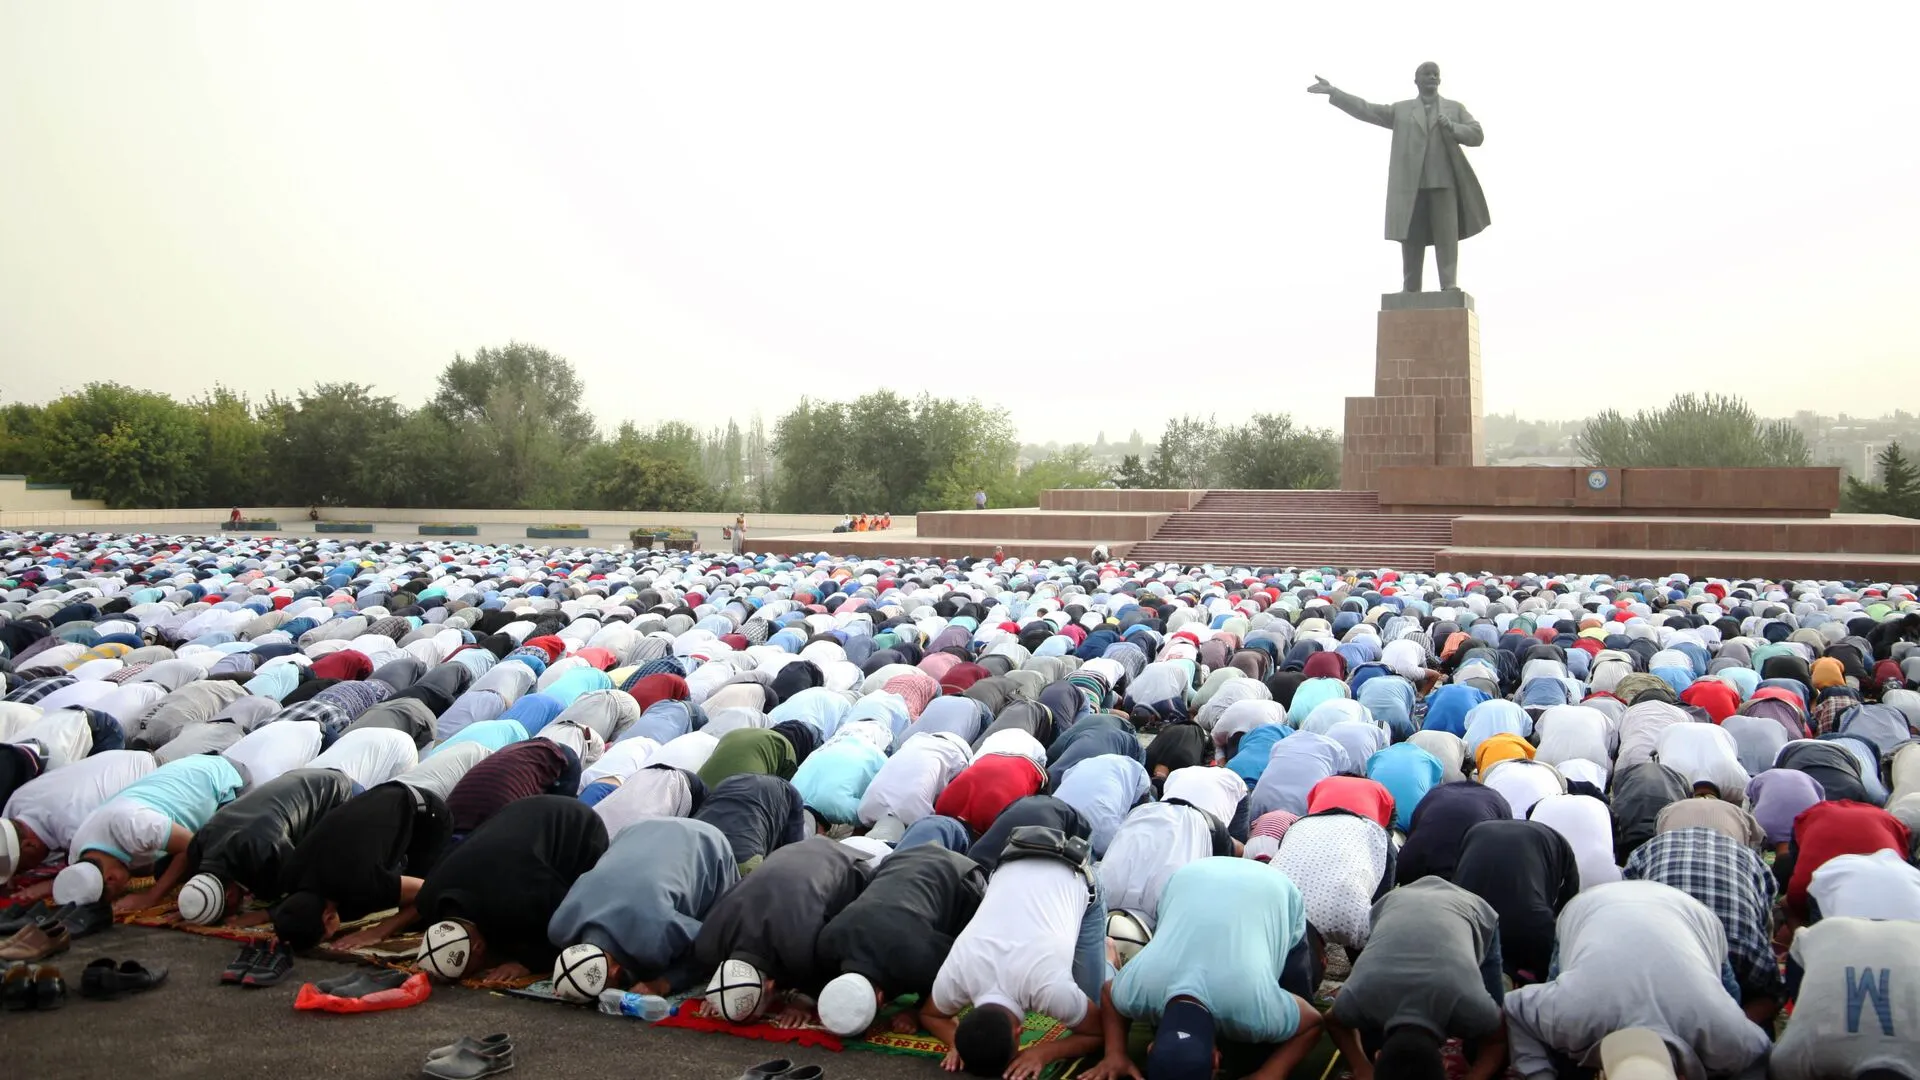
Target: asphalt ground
[{"x": 194, "y": 1027}]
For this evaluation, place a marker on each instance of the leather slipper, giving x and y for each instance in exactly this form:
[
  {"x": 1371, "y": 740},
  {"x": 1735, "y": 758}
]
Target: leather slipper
[
  {"x": 86, "y": 919},
  {"x": 777, "y": 1069},
  {"x": 805, "y": 1072},
  {"x": 102, "y": 979},
  {"x": 483, "y": 1044},
  {"x": 469, "y": 1064}
]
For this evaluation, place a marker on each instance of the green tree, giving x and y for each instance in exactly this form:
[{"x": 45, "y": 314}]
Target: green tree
[
  {"x": 1897, "y": 492},
  {"x": 410, "y": 464},
  {"x": 131, "y": 448},
  {"x": 22, "y": 450},
  {"x": 1184, "y": 458},
  {"x": 233, "y": 443},
  {"x": 1270, "y": 452},
  {"x": 520, "y": 417},
  {"x": 1692, "y": 431},
  {"x": 315, "y": 440},
  {"x": 1131, "y": 474}
]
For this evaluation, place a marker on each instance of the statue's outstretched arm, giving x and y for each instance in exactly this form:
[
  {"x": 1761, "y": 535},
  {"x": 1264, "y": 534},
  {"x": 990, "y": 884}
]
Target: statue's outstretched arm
[{"x": 1358, "y": 108}]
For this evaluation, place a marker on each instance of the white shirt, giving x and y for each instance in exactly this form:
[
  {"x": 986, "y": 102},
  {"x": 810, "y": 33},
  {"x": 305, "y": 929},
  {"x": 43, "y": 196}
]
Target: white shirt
[
  {"x": 1878, "y": 886},
  {"x": 1017, "y": 952},
  {"x": 369, "y": 756},
  {"x": 1567, "y": 732},
  {"x": 621, "y": 760},
  {"x": 907, "y": 785},
  {"x": 1586, "y": 825},
  {"x": 1704, "y": 752},
  {"x": 272, "y": 749},
  {"x": 689, "y": 751},
  {"x": 65, "y": 735},
  {"x": 443, "y": 769},
  {"x": 1523, "y": 783},
  {"x": 1154, "y": 841},
  {"x": 54, "y": 805},
  {"x": 1217, "y": 791}
]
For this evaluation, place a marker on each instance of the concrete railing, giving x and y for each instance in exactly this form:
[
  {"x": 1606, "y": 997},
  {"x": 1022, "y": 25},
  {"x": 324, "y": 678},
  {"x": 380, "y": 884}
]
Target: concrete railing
[{"x": 293, "y": 518}]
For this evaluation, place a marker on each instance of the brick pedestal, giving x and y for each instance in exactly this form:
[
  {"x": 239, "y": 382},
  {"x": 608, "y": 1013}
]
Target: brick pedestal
[{"x": 1425, "y": 408}]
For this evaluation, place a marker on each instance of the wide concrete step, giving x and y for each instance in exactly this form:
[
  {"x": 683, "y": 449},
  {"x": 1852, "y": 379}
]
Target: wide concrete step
[{"x": 1775, "y": 565}]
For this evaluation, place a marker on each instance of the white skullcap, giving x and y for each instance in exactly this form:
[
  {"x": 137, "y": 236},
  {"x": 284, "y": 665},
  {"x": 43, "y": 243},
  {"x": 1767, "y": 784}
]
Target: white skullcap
[
  {"x": 80, "y": 883},
  {"x": 848, "y": 1005}
]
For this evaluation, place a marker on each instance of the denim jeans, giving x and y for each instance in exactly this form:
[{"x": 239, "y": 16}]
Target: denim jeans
[{"x": 1090, "y": 968}]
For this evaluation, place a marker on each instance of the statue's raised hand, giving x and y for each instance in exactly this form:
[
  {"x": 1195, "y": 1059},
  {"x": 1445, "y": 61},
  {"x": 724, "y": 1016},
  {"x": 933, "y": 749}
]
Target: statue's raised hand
[{"x": 1320, "y": 85}]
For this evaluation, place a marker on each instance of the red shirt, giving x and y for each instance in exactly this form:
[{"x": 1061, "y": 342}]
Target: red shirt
[
  {"x": 988, "y": 786},
  {"x": 1719, "y": 699},
  {"x": 1368, "y": 798},
  {"x": 1841, "y": 827}
]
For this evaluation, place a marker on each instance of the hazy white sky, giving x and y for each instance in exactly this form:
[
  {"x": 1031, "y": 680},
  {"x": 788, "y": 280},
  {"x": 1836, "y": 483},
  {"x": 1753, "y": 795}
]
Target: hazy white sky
[{"x": 1096, "y": 214}]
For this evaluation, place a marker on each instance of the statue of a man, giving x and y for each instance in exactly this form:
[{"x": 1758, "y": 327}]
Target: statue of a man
[{"x": 1432, "y": 195}]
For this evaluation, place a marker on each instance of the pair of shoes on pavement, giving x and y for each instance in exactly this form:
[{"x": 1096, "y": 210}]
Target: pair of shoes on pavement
[
  {"x": 469, "y": 1058},
  {"x": 782, "y": 1069},
  {"x": 32, "y": 986},
  {"x": 359, "y": 984},
  {"x": 35, "y": 942},
  {"x": 107, "y": 980},
  {"x": 259, "y": 965}
]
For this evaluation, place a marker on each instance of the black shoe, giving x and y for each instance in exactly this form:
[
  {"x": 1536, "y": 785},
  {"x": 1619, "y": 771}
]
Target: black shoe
[
  {"x": 87, "y": 919},
  {"x": 273, "y": 965},
  {"x": 237, "y": 968},
  {"x": 49, "y": 989},
  {"x": 18, "y": 920},
  {"x": 16, "y": 988}
]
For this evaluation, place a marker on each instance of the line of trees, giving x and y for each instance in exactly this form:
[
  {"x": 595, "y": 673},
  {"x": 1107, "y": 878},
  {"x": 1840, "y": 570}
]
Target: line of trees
[{"x": 506, "y": 427}]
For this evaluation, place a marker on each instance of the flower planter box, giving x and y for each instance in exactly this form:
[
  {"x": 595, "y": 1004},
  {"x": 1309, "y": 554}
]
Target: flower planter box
[
  {"x": 250, "y": 525},
  {"x": 644, "y": 539},
  {"x": 534, "y": 532},
  {"x": 449, "y": 530},
  {"x": 342, "y": 527}
]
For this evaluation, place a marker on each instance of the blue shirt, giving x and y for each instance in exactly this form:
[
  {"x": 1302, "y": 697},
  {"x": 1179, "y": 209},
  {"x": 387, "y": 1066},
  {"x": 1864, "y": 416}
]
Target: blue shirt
[
  {"x": 833, "y": 778},
  {"x": 189, "y": 790},
  {"x": 1408, "y": 773},
  {"x": 1227, "y": 955},
  {"x": 1104, "y": 788}
]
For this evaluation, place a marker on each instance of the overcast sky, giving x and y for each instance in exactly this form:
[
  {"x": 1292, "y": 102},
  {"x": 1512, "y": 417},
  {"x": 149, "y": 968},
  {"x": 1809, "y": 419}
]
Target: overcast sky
[{"x": 1097, "y": 215}]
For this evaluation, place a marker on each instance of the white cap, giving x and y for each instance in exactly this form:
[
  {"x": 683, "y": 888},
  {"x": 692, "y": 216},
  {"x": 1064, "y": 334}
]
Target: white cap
[
  {"x": 735, "y": 991},
  {"x": 9, "y": 849},
  {"x": 848, "y": 1005},
  {"x": 79, "y": 883},
  {"x": 1636, "y": 1054},
  {"x": 203, "y": 899},
  {"x": 888, "y": 829},
  {"x": 446, "y": 950}
]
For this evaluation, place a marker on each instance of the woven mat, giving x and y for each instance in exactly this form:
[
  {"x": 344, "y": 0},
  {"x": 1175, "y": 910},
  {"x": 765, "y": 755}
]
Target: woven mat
[{"x": 395, "y": 952}]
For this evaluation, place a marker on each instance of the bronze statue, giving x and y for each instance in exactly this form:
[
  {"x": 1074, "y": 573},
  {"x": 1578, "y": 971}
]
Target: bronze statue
[{"x": 1432, "y": 195}]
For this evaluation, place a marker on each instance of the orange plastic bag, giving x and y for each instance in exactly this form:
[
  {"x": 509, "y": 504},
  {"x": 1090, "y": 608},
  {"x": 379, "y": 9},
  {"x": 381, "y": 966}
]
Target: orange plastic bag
[{"x": 412, "y": 992}]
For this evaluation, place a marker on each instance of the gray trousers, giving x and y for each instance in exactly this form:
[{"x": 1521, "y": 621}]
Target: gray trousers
[{"x": 1436, "y": 220}]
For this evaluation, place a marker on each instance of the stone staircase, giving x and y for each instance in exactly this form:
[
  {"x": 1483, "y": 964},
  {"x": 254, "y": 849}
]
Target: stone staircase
[{"x": 1297, "y": 528}]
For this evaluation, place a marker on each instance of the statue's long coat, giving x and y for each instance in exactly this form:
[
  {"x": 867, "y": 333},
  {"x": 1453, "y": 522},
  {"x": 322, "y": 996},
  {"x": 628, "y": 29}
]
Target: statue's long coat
[{"x": 1408, "y": 120}]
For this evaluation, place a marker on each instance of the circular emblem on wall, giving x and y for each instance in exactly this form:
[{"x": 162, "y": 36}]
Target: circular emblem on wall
[{"x": 1597, "y": 479}]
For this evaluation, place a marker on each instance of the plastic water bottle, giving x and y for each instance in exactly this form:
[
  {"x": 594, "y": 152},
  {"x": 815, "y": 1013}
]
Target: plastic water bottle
[{"x": 649, "y": 1007}]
